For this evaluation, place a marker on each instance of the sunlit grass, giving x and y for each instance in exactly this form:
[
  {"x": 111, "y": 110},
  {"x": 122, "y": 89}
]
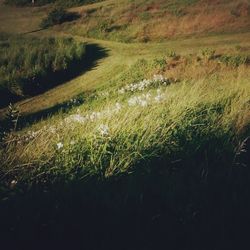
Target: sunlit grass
[{"x": 110, "y": 135}]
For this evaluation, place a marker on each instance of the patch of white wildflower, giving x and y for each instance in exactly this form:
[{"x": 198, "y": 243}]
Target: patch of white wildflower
[
  {"x": 79, "y": 118},
  {"x": 75, "y": 118},
  {"x": 103, "y": 130},
  {"x": 143, "y": 100},
  {"x": 142, "y": 85},
  {"x": 59, "y": 145}
]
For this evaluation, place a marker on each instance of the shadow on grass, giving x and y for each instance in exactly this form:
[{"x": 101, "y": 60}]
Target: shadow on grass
[
  {"x": 35, "y": 87},
  {"x": 158, "y": 206},
  {"x": 193, "y": 197},
  {"x": 93, "y": 53},
  {"x": 33, "y": 31}
]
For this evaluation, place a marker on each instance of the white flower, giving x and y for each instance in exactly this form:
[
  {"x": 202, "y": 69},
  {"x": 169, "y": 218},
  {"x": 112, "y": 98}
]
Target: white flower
[
  {"x": 104, "y": 130},
  {"x": 13, "y": 183},
  {"x": 142, "y": 100},
  {"x": 76, "y": 118},
  {"x": 59, "y": 145},
  {"x": 132, "y": 101},
  {"x": 159, "y": 78},
  {"x": 118, "y": 106},
  {"x": 94, "y": 116},
  {"x": 121, "y": 91},
  {"x": 143, "y": 103},
  {"x": 52, "y": 129},
  {"x": 72, "y": 142},
  {"x": 158, "y": 98},
  {"x": 146, "y": 96},
  {"x": 142, "y": 85}
]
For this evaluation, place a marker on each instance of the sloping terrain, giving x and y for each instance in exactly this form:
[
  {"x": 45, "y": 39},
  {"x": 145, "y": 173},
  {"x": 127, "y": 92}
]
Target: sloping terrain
[
  {"x": 157, "y": 20},
  {"x": 148, "y": 147}
]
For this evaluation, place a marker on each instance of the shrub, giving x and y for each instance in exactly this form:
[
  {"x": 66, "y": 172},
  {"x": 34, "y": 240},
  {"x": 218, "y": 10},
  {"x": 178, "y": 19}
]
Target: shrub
[
  {"x": 160, "y": 64},
  {"x": 234, "y": 60},
  {"x": 145, "y": 16},
  {"x": 57, "y": 16},
  {"x": 208, "y": 53},
  {"x": 171, "y": 53}
]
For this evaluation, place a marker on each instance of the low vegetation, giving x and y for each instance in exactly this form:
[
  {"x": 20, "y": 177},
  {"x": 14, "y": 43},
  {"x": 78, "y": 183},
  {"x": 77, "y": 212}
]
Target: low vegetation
[
  {"x": 144, "y": 21},
  {"x": 28, "y": 64},
  {"x": 148, "y": 149},
  {"x": 161, "y": 106},
  {"x": 57, "y": 16},
  {"x": 64, "y": 3},
  {"x": 171, "y": 122}
]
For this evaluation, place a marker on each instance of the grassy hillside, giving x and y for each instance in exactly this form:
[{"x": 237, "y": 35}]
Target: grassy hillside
[
  {"x": 173, "y": 135},
  {"x": 30, "y": 65},
  {"x": 157, "y": 20},
  {"x": 205, "y": 94},
  {"x": 145, "y": 148}
]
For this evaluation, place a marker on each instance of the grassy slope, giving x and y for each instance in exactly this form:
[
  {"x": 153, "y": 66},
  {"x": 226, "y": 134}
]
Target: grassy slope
[
  {"x": 200, "y": 122},
  {"x": 119, "y": 56},
  {"x": 210, "y": 103},
  {"x": 158, "y": 20}
]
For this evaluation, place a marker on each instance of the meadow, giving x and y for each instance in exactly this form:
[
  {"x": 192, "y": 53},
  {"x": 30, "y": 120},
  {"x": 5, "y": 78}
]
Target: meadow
[
  {"x": 146, "y": 148},
  {"x": 211, "y": 98},
  {"x": 182, "y": 125}
]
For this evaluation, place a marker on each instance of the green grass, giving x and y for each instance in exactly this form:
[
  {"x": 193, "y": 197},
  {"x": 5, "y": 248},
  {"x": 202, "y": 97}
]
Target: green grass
[
  {"x": 197, "y": 108},
  {"x": 93, "y": 158},
  {"x": 119, "y": 57},
  {"x": 28, "y": 64},
  {"x": 57, "y": 16}
]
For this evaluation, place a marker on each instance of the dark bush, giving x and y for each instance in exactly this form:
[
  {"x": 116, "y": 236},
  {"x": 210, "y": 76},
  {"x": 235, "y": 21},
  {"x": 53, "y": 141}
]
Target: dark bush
[
  {"x": 57, "y": 16},
  {"x": 234, "y": 60}
]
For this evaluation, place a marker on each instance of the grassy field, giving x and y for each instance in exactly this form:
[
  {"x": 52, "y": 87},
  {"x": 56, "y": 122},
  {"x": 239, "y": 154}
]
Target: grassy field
[
  {"x": 147, "y": 147},
  {"x": 205, "y": 95}
]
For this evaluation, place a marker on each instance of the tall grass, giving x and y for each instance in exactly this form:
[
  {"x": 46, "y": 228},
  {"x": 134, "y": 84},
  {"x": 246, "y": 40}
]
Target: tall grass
[
  {"x": 211, "y": 114},
  {"x": 152, "y": 160},
  {"x": 29, "y": 65}
]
